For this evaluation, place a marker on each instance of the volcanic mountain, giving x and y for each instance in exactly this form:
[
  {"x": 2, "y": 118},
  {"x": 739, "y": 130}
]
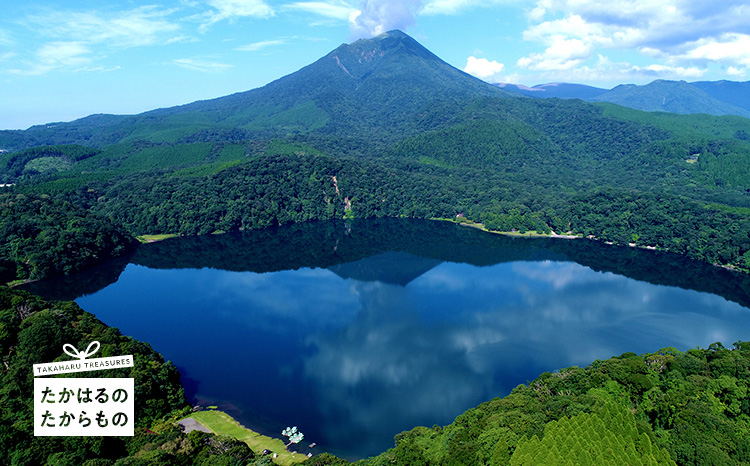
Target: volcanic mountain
[{"x": 376, "y": 87}]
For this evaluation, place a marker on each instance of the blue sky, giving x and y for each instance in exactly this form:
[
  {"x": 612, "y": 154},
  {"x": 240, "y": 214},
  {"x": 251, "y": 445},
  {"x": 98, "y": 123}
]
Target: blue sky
[{"x": 62, "y": 60}]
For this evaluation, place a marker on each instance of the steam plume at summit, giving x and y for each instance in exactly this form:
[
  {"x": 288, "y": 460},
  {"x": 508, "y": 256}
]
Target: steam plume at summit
[{"x": 378, "y": 16}]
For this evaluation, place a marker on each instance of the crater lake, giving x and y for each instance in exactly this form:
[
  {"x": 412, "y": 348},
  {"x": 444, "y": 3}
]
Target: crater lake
[{"x": 356, "y": 331}]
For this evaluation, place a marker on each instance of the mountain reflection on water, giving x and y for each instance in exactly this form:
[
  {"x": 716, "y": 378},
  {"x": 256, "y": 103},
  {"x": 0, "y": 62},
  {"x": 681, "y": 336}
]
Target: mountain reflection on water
[{"x": 355, "y": 332}]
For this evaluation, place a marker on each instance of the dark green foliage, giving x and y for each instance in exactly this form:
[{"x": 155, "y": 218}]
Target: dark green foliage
[
  {"x": 671, "y": 223},
  {"x": 607, "y": 436},
  {"x": 293, "y": 182},
  {"x": 325, "y": 459},
  {"x": 22, "y": 164},
  {"x": 42, "y": 236}
]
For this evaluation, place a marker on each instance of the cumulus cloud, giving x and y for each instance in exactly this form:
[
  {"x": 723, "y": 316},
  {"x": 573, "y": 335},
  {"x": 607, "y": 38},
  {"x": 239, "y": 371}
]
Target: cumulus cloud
[
  {"x": 684, "y": 37},
  {"x": 378, "y": 16},
  {"x": 562, "y": 54},
  {"x": 483, "y": 68},
  {"x": 729, "y": 48},
  {"x": 736, "y": 72}
]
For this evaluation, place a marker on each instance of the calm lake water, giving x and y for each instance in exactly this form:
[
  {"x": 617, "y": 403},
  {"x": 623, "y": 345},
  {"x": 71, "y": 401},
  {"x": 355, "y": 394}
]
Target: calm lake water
[{"x": 357, "y": 331}]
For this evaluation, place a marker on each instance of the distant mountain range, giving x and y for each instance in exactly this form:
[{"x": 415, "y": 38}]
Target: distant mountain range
[{"x": 710, "y": 97}]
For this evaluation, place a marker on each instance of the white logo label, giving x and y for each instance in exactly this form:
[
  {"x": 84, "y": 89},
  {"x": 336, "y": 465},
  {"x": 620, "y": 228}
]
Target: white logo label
[{"x": 83, "y": 406}]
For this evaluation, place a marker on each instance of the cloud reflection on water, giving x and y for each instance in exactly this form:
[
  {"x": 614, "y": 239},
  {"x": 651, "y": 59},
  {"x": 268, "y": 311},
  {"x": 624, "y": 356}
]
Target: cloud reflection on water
[
  {"x": 360, "y": 361},
  {"x": 459, "y": 335}
]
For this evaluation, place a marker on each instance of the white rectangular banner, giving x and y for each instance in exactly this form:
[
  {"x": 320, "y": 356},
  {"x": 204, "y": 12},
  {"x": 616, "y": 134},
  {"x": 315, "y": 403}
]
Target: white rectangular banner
[{"x": 84, "y": 407}]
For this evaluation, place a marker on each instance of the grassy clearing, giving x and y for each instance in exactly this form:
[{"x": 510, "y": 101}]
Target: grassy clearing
[
  {"x": 154, "y": 238},
  {"x": 527, "y": 234},
  {"x": 222, "y": 423}
]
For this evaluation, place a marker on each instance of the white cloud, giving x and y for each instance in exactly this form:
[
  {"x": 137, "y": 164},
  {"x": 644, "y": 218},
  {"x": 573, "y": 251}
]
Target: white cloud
[
  {"x": 201, "y": 65},
  {"x": 180, "y": 39},
  {"x": 65, "y": 53},
  {"x": 230, "y": 9},
  {"x": 562, "y": 54},
  {"x": 674, "y": 71},
  {"x": 604, "y": 70},
  {"x": 255, "y": 46},
  {"x": 100, "y": 69},
  {"x": 142, "y": 26},
  {"x": 338, "y": 10},
  {"x": 684, "y": 35},
  {"x": 74, "y": 36},
  {"x": 737, "y": 72},
  {"x": 56, "y": 55},
  {"x": 5, "y": 38},
  {"x": 537, "y": 13},
  {"x": 730, "y": 48},
  {"x": 571, "y": 26},
  {"x": 483, "y": 68}
]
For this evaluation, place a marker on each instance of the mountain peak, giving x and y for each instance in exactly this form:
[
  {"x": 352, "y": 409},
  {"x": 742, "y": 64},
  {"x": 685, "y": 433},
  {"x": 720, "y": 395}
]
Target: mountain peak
[
  {"x": 392, "y": 36},
  {"x": 359, "y": 56},
  {"x": 393, "y": 33}
]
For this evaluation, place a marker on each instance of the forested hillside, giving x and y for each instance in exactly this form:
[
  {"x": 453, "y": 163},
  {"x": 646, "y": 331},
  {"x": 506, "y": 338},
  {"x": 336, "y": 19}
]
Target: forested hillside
[
  {"x": 384, "y": 128},
  {"x": 277, "y": 189},
  {"x": 42, "y": 236}
]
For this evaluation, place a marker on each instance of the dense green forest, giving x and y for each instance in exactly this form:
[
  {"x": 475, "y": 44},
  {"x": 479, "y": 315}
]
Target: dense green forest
[
  {"x": 258, "y": 184},
  {"x": 42, "y": 236},
  {"x": 668, "y": 407},
  {"x": 34, "y": 331},
  {"x": 276, "y": 189},
  {"x": 31, "y": 163}
]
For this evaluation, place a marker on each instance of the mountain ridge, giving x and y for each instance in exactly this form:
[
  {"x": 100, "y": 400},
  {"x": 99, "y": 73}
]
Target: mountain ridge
[{"x": 717, "y": 98}]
